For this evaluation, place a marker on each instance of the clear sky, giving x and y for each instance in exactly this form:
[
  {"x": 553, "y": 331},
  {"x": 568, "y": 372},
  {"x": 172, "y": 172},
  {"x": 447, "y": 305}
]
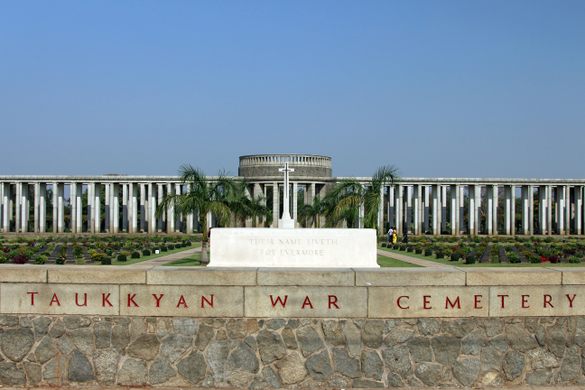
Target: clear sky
[{"x": 437, "y": 88}]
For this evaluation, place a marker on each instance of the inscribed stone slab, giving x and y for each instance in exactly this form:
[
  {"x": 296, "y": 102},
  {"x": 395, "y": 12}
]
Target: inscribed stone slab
[
  {"x": 400, "y": 302},
  {"x": 59, "y": 299},
  {"x": 301, "y": 248},
  {"x": 324, "y": 302},
  {"x": 546, "y": 301},
  {"x": 192, "y": 301}
]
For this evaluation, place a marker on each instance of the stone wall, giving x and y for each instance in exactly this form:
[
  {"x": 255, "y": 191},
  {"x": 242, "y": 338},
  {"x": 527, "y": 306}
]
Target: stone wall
[{"x": 251, "y": 353}]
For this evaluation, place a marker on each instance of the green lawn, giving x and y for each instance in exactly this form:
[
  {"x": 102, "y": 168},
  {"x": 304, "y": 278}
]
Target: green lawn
[
  {"x": 153, "y": 256},
  {"x": 192, "y": 261},
  {"x": 460, "y": 263},
  {"x": 384, "y": 261}
]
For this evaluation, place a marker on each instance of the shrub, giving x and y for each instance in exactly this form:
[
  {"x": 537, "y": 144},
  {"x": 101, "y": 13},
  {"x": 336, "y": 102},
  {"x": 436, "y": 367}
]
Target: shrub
[
  {"x": 439, "y": 255},
  {"x": 135, "y": 255},
  {"x": 40, "y": 259},
  {"x": 106, "y": 261},
  {"x": 122, "y": 257},
  {"x": 384, "y": 245},
  {"x": 20, "y": 259},
  {"x": 3, "y": 257},
  {"x": 471, "y": 258},
  {"x": 418, "y": 251},
  {"x": 60, "y": 260},
  {"x": 163, "y": 248},
  {"x": 513, "y": 257},
  {"x": 170, "y": 247},
  {"x": 574, "y": 259},
  {"x": 428, "y": 252},
  {"x": 146, "y": 252}
]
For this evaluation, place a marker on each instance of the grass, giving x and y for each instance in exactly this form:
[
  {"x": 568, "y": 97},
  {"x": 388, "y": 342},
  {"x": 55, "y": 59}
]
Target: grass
[
  {"x": 191, "y": 261},
  {"x": 154, "y": 256},
  {"x": 384, "y": 261},
  {"x": 460, "y": 263}
]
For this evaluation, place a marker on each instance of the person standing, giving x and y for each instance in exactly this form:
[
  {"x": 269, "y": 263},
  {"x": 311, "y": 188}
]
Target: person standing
[
  {"x": 389, "y": 235},
  {"x": 394, "y": 237}
]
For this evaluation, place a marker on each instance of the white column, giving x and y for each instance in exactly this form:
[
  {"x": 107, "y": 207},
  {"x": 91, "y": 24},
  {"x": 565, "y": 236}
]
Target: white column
[
  {"x": 275, "y": 204},
  {"x": 73, "y": 208},
  {"x": 126, "y": 212},
  {"x": 561, "y": 209},
  {"x": 461, "y": 208},
  {"x": 190, "y": 216},
  {"x": 24, "y": 208},
  {"x": 170, "y": 211},
  {"x": 426, "y": 211},
  {"x": 436, "y": 216},
  {"x": 471, "y": 191},
  {"x": 151, "y": 209},
  {"x": 143, "y": 210},
  {"x": 60, "y": 207},
  {"x": 490, "y": 209},
  {"x": 55, "y": 207},
  {"x": 579, "y": 210},
  {"x": 78, "y": 207},
  {"x": 180, "y": 218},
  {"x": 443, "y": 194},
  {"x": 294, "y": 201},
  {"x": 361, "y": 214},
  {"x": 525, "y": 210},
  {"x": 542, "y": 204},
  {"x": 160, "y": 195},
  {"x": 567, "y": 209},
  {"x": 6, "y": 207},
  {"x": 400, "y": 210},
  {"x": 133, "y": 202},
  {"x": 115, "y": 207},
  {"x": 90, "y": 206},
  {"x": 17, "y": 207},
  {"x": 513, "y": 210},
  {"x": 495, "y": 208},
  {"x": 97, "y": 208},
  {"x": 381, "y": 212},
  {"x": 42, "y": 207},
  {"x": 530, "y": 210},
  {"x": 454, "y": 208},
  {"x": 108, "y": 212},
  {"x": 408, "y": 212},
  {"x": 417, "y": 208},
  {"x": 37, "y": 205},
  {"x": 391, "y": 206},
  {"x": 477, "y": 193},
  {"x": 549, "y": 209}
]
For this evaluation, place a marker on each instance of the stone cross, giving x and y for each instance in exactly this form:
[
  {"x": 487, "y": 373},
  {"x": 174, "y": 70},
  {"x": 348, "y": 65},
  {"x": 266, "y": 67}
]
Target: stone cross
[{"x": 286, "y": 221}]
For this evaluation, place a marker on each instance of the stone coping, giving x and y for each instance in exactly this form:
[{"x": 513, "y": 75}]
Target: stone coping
[{"x": 244, "y": 276}]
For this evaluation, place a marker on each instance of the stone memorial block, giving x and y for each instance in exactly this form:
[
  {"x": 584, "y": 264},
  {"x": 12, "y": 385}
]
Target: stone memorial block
[
  {"x": 400, "y": 302},
  {"x": 306, "y": 248},
  {"x": 59, "y": 299},
  {"x": 186, "y": 301},
  {"x": 325, "y": 302}
]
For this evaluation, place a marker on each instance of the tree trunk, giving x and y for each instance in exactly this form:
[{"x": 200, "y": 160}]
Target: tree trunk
[{"x": 204, "y": 239}]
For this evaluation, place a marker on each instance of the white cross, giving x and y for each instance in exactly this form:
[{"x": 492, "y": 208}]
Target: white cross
[{"x": 285, "y": 200}]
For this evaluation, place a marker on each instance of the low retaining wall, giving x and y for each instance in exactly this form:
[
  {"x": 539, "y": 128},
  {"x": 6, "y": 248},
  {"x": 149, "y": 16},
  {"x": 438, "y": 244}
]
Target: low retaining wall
[{"x": 262, "y": 328}]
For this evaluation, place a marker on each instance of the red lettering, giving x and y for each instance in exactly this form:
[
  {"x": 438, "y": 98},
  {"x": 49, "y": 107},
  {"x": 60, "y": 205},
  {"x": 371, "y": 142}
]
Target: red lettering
[
  {"x": 307, "y": 302},
  {"x": 502, "y": 299},
  {"x": 477, "y": 301},
  {"x": 131, "y": 301},
  {"x": 332, "y": 301},
  {"x": 204, "y": 301},
  {"x": 427, "y": 302},
  {"x": 452, "y": 304},
  {"x": 525, "y": 304},
  {"x": 547, "y": 300},
  {"x": 84, "y": 299},
  {"x": 106, "y": 300},
  {"x": 32, "y": 296},
  {"x": 55, "y": 299},
  {"x": 157, "y": 299},
  {"x": 182, "y": 302},
  {"x": 571, "y": 299},
  {"x": 399, "y": 302},
  {"x": 278, "y": 300}
]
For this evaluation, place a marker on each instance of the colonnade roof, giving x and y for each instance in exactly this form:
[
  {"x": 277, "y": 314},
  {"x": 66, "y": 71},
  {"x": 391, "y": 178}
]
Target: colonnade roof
[{"x": 402, "y": 180}]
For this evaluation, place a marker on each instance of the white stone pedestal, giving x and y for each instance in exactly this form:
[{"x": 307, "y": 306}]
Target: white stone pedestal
[{"x": 302, "y": 248}]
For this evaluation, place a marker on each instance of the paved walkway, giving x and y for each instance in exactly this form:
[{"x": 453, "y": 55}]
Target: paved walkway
[
  {"x": 172, "y": 257},
  {"x": 413, "y": 260}
]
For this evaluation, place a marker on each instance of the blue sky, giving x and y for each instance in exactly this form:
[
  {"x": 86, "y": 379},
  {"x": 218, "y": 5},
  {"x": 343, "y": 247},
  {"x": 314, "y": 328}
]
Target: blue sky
[{"x": 437, "y": 88}]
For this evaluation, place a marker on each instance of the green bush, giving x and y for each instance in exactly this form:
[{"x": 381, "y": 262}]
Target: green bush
[
  {"x": 40, "y": 259},
  {"x": 513, "y": 257},
  {"x": 439, "y": 255},
  {"x": 146, "y": 252},
  {"x": 163, "y": 248},
  {"x": 135, "y": 255},
  {"x": 60, "y": 260},
  {"x": 574, "y": 259},
  {"x": 106, "y": 261},
  {"x": 471, "y": 258},
  {"x": 122, "y": 257},
  {"x": 428, "y": 252}
]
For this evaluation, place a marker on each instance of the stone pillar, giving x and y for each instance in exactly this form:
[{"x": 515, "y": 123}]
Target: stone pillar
[
  {"x": 24, "y": 208},
  {"x": 426, "y": 210},
  {"x": 542, "y": 209},
  {"x": 436, "y": 212},
  {"x": 108, "y": 210},
  {"x": 170, "y": 211},
  {"x": 160, "y": 195},
  {"x": 525, "y": 210},
  {"x": 477, "y": 193},
  {"x": 549, "y": 209},
  {"x": 133, "y": 205},
  {"x": 495, "y": 208},
  {"x": 115, "y": 207},
  {"x": 151, "y": 209},
  {"x": 179, "y": 218},
  {"x": 6, "y": 207},
  {"x": 60, "y": 207},
  {"x": 443, "y": 194},
  {"x": 190, "y": 216},
  {"x": 391, "y": 206},
  {"x": 294, "y": 206},
  {"x": 461, "y": 209},
  {"x": 275, "y": 204},
  {"x": 567, "y": 204},
  {"x": 490, "y": 210},
  {"x": 561, "y": 210},
  {"x": 417, "y": 208},
  {"x": 381, "y": 212},
  {"x": 454, "y": 210},
  {"x": 90, "y": 203},
  {"x": 42, "y": 207},
  {"x": 17, "y": 211},
  {"x": 78, "y": 207},
  {"x": 530, "y": 210},
  {"x": 73, "y": 203},
  {"x": 400, "y": 210},
  {"x": 409, "y": 193},
  {"x": 579, "y": 210},
  {"x": 143, "y": 211},
  {"x": 97, "y": 208},
  {"x": 126, "y": 212},
  {"x": 513, "y": 210},
  {"x": 55, "y": 208},
  {"x": 471, "y": 191},
  {"x": 37, "y": 205}
]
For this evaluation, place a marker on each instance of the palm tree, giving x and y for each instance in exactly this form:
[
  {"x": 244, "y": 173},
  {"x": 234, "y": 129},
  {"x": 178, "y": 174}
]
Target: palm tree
[
  {"x": 312, "y": 212},
  {"x": 345, "y": 200},
  {"x": 203, "y": 196}
]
